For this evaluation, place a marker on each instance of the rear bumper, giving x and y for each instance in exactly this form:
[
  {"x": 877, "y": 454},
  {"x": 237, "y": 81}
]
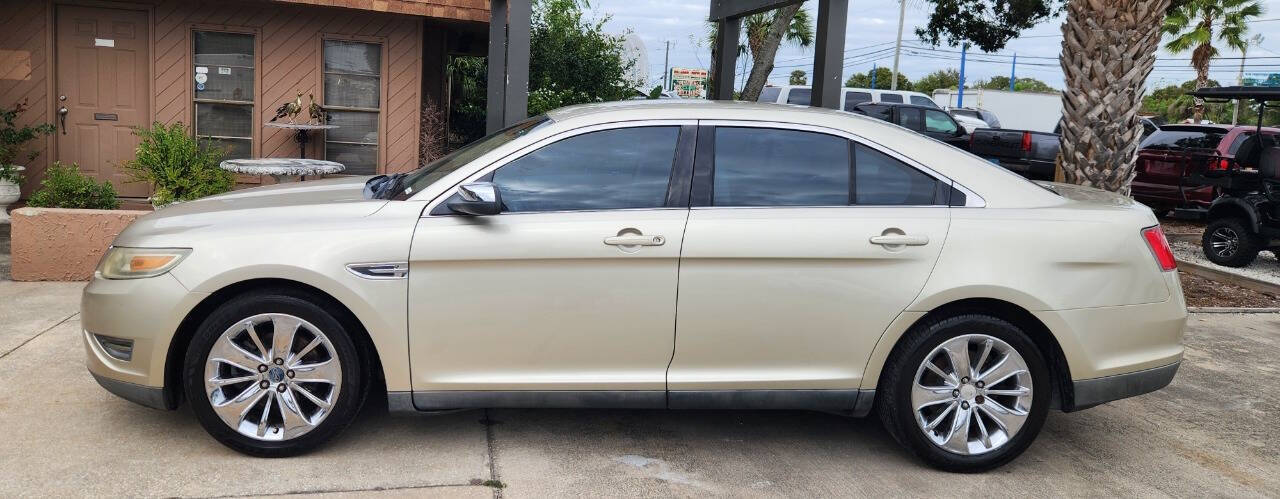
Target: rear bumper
[{"x": 1091, "y": 392}]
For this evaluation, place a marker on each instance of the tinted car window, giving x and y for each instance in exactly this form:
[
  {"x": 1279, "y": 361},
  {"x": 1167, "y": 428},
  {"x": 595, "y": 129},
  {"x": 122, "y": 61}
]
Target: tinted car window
[
  {"x": 877, "y": 111},
  {"x": 771, "y": 167},
  {"x": 799, "y": 96},
  {"x": 910, "y": 118},
  {"x": 939, "y": 122},
  {"x": 1184, "y": 139},
  {"x": 882, "y": 180},
  {"x": 890, "y": 98},
  {"x": 923, "y": 101},
  {"x": 605, "y": 170},
  {"x": 769, "y": 94},
  {"x": 854, "y": 98}
]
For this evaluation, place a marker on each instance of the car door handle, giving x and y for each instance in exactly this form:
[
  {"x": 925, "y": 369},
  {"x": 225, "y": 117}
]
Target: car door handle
[
  {"x": 900, "y": 240},
  {"x": 635, "y": 240}
]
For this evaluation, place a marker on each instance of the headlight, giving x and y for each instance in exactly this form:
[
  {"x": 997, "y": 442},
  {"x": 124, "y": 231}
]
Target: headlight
[{"x": 136, "y": 263}]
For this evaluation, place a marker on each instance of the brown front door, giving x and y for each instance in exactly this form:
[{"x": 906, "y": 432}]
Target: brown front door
[{"x": 103, "y": 85}]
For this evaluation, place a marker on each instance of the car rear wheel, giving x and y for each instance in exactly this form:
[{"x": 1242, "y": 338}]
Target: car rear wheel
[
  {"x": 272, "y": 374},
  {"x": 1230, "y": 242},
  {"x": 966, "y": 393}
]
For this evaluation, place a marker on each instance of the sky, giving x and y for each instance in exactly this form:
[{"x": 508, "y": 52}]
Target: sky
[{"x": 872, "y": 28}]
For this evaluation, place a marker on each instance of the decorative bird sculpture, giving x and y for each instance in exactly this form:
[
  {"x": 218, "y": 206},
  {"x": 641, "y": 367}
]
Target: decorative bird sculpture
[
  {"x": 290, "y": 109},
  {"x": 316, "y": 111}
]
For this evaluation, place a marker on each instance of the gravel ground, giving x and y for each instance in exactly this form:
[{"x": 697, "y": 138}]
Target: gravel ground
[
  {"x": 1265, "y": 268},
  {"x": 1179, "y": 226}
]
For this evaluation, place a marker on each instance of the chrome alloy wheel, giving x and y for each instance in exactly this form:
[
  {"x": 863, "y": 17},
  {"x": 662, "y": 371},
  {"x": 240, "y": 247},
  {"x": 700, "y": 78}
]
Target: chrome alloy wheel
[
  {"x": 972, "y": 394},
  {"x": 1225, "y": 241},
  {"x": 272, "y": 377}
]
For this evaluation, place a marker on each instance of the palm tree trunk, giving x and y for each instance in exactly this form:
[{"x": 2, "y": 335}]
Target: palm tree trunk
[
  {"x": 762, "y": 57},
  {"x": 1108, "y": 50}
]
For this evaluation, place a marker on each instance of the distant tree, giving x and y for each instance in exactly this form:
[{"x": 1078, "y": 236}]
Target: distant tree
[
  {"x": 942, "y": 78},
  {"x": 798, "y": 78},
  {"x": 761, "y": 35},
  {"x": 572, "y": 60},
  {"x": 1022, "y": 85},
  {"x": 1191, "y": 27},
  {"x": 883, "y": 77}
]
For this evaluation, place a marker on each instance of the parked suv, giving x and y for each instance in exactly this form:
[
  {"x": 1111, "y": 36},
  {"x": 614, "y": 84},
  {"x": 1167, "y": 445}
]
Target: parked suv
[
  {"x": 1173, "y": 160},
  {"x": 929, "y": 121}
]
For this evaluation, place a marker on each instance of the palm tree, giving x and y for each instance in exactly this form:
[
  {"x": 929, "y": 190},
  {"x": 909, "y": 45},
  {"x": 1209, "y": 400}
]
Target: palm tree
[
  {"x": 1108, "y": 50},
  {"x": 762, "y": 34},
  {"x": 1191, "y": 26}
]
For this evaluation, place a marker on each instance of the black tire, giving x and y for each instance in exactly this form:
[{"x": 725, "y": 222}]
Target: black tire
[
  {"x": 893, "y": 400},
  {"x": 1222, "y": 230},
  {"x": 350, "y": 396}
]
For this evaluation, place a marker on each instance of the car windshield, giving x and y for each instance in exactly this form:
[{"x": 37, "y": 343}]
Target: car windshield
[{"x": 427, "y": 175}]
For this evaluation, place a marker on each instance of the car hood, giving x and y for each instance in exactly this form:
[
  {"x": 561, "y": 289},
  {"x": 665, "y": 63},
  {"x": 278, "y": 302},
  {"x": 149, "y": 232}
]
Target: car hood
[{"x": 275, "y": 207}]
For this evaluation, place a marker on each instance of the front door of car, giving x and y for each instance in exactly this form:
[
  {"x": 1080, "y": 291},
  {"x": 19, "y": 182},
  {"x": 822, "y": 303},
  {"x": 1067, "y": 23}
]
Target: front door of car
[
  {"x": 801, "y": 248},
  {"x": 571, "y": 289}
]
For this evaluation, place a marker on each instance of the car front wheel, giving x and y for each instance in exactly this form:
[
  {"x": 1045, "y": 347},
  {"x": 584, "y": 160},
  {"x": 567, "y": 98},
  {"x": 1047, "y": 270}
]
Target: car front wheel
[
  {"x": 966, "y": 393},
  {"x": 273, "y": 374}
]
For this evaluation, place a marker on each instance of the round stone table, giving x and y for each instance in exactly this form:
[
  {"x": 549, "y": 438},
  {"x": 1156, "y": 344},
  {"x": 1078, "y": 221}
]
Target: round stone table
[{"x": 283, "y": 169}]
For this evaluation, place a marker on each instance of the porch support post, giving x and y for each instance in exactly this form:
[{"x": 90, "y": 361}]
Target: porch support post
[
  {"x": 726, "y": 57},
  {"x": 517, "y": 92},
  {"x": 496, "y": 95},
  {"x": 828, "y": 56}
]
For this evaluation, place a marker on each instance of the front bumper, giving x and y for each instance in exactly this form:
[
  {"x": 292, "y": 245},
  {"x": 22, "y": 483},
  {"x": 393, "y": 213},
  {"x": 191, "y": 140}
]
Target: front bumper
[{"x": 147, "y": 312}]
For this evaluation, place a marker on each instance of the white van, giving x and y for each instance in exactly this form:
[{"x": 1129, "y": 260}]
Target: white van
[{"x": 849, "y": 97}]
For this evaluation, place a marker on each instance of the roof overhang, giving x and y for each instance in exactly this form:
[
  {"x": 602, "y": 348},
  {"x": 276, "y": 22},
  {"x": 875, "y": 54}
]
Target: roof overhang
[
  {"x": 725, "y": 9},
  {"x": 462, "y": 10},
  {"x": 1228, "y": 93}
]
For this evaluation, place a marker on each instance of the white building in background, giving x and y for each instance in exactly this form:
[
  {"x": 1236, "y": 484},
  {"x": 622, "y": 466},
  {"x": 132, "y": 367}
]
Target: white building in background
[{"x": 633, "y": 48}]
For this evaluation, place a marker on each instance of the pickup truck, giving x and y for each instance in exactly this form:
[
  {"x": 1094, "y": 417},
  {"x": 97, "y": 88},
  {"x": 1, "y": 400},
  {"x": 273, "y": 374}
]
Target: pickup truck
[{"x": 1027, "y": 153}]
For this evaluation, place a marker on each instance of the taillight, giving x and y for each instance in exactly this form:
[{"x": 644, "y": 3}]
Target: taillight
[
  {"x": 1160, "y": 248},
  {"x": 1220, "y": 164},
  {"x": 1026, "y": 141}
]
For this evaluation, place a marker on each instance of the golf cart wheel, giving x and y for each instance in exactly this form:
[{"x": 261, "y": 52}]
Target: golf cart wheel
[{"x": 1230, "y": 242}]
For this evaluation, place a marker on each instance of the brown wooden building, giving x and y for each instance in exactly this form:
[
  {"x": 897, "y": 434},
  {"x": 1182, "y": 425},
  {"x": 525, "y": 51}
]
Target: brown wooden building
[{"x": 222, "y": 67}]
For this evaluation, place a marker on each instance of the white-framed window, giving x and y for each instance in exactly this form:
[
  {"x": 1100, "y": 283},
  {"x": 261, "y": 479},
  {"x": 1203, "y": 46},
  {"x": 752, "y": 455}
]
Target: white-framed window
[
  {"x": 352, "y": 100},
  {"x": 224, "y": 92}
]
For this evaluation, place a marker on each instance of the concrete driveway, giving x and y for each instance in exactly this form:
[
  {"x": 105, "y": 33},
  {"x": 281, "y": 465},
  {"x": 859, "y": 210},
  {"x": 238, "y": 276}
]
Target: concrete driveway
[{"x": 1212, "y": 432}]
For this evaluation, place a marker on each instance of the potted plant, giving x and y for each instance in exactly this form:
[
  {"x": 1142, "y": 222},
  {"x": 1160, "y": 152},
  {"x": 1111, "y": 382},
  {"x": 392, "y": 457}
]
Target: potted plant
[
  {"x": 12, "y": 139},
  {"x": 178, "y": 167}
]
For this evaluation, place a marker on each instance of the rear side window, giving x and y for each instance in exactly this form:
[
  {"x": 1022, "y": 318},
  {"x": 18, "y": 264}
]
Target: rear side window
[
  {"x": 890, "y": 98},
  {"x": 911, "y": 118},
  {"x": 605, "y": 170},
  {"x": 920, "y": 100},
  {"x": 854, "y": 98},
  {"x": 1184, "y": 139},
  {"x": 769, "y": 94},
  {"x": 799, "y": 96},
  {"x": 772, "y": 167},
  {"x": 883, "y": 180}
]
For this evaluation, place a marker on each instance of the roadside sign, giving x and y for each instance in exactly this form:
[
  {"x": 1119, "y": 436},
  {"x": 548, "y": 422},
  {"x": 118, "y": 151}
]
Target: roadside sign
[
  {"x": 688, "y": 83},
  {"x": 1261, "y": 80}
]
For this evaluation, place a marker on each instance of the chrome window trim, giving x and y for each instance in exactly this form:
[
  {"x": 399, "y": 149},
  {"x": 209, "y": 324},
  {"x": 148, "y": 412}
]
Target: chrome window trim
[
  {"x": 972, "y": 199},
  {"x": 540, "y": 143}
]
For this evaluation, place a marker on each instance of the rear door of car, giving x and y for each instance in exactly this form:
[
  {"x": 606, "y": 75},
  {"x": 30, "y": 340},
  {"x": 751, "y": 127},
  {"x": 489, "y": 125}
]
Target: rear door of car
[{"x": 803, "y": 244}]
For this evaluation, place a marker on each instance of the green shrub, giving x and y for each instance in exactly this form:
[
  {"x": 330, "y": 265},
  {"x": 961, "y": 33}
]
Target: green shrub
[
  {"x": 14, "y": 137},
  {"x": 65, "y": 187},
  {"x": 177, "y": 166}
]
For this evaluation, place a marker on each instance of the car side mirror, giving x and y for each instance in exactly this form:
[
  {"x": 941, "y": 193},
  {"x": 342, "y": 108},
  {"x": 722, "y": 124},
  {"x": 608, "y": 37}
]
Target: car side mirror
[{"x": 477, "y": 199}]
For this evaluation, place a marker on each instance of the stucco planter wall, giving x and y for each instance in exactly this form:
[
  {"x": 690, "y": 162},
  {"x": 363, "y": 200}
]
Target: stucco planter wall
[{"x": 57, "y": 244}]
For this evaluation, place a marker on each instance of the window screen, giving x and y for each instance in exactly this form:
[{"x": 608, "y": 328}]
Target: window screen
[
  {"x": 605, "y": 170},
  {"x": 352, "y": 99},
  {"x": 771, "y": 167},
  {"x": 224, "y": 93}
]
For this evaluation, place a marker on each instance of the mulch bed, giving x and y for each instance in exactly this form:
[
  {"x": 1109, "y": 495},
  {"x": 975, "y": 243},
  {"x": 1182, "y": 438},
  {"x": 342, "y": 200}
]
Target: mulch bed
[{"x": 1202, "y": 292}]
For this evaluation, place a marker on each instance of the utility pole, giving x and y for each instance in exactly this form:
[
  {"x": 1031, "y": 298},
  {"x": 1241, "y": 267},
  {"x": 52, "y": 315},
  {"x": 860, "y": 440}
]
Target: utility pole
[
  {"x": 666, "y": 61},
  {"x": 1013, "y": 72},
  {"x": 897, "y": 50},
  {"x": 964, "y": 49},
  {"x": 873, "y": 75},
  {"x": 1235, "y": 112}
]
